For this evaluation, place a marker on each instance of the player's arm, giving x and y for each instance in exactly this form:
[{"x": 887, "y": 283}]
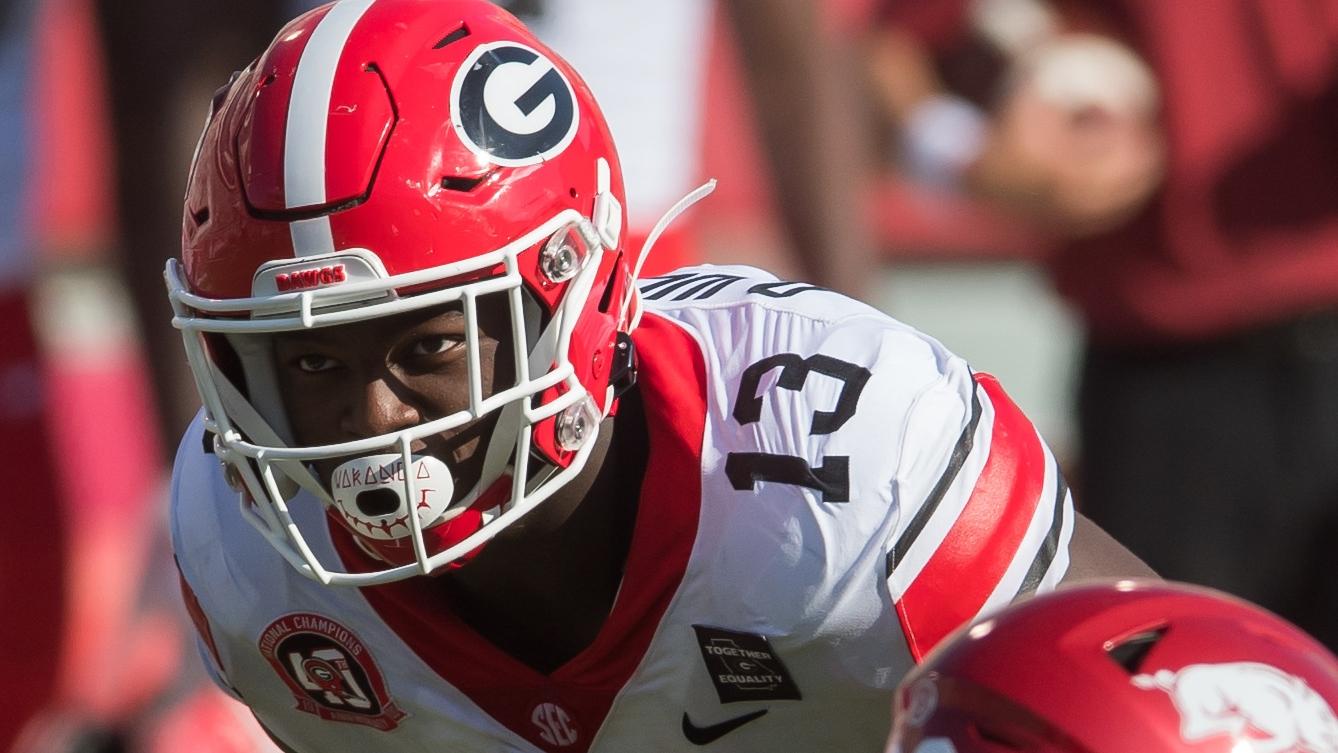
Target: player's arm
[
  {"x": 1096, "y": 555},
  {"x": 803, "y": 84},
  {"x": 1078, "y": 159},
  {"x": 986, "y": 516}
]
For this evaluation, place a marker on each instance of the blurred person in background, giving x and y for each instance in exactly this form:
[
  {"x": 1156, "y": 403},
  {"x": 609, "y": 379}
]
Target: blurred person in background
[
  {"x": 164, "y": 58},
  {"x": 752, "y": 92},
  {"x": 91, "y": 647},
  {"x": 1182, "y": 156},
  {"x": 1131, "y": 666},
  {"x": 33, "y": 550},
  {"x": 83, "y": 654}
]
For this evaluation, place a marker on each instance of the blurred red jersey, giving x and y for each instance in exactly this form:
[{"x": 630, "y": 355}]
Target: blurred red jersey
[{"x": 1244, "y": 231}]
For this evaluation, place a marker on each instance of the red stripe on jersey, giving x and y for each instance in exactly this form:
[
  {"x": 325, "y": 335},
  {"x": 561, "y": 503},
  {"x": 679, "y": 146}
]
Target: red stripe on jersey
[
  {"x": 666, "y": 527},
  {"x": 960, "y": 576},
  {"x": 260, "y": 151},
  {"x": 201, "y": 622}
]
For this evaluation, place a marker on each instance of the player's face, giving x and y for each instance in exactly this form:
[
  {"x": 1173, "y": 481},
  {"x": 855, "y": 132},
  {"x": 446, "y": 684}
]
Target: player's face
[{"x": 376, "y": 377}]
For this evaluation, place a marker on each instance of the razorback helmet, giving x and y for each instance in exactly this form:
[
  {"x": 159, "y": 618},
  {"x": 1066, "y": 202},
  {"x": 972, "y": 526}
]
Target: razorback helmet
[
  {"x": 383, "y": 156},
  {"x": 1121, "y": 667}
]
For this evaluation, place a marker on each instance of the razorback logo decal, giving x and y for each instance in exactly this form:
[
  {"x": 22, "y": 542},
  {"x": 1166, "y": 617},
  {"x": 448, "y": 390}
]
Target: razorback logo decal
[
  {"x": 329, "y": 671},
  {"x": 1275, "y": 711},
  {"x": 310, "y": 278}
]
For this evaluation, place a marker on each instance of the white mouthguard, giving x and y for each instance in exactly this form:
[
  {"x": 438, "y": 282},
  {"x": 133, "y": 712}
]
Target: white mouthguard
[{"x": 370, "y": 493}]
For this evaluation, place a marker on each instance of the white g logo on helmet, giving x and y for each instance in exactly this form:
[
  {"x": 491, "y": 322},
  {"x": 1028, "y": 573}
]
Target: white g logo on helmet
[{"x": 513, "y": 106}]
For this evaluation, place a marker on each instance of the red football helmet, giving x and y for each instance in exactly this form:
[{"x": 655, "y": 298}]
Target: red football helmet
[
  {"x": 384, "y": 156},
  {"x": 1130, "y": 666}
]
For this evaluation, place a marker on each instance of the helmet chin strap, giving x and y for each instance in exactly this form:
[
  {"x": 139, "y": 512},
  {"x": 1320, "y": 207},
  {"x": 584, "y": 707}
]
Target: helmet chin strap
[{"x": 683, "y": 204}]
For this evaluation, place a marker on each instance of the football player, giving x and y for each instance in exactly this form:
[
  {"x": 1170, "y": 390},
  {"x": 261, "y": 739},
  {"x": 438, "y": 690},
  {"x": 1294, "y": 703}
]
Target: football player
[
  {"x": 462, "y": 482},
  {"x": 1123, "y": 667}
]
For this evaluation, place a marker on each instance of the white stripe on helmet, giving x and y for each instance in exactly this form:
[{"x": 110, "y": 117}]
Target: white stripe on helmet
[{"x": 308, "y": 113}]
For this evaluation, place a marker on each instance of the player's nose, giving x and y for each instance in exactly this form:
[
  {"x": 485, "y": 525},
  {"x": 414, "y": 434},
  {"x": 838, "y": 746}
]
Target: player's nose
[{"x": 381, "y": 406}]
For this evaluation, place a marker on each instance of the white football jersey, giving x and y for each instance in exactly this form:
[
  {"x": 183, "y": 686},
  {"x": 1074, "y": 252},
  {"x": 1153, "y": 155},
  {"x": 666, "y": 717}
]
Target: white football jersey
[{"x": 828, "y": 493}]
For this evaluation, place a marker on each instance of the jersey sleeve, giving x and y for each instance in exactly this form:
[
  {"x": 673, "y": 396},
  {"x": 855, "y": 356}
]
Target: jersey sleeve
[
  {"x": 985, "y": 512},
  {"x": 192, "y": 475},
  {"x": 204, "y": 641}
]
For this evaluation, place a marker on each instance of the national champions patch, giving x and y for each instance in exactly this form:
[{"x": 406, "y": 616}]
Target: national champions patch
[
  {"x": 329, "y": 671},
  {"x": 743, "y": 666}
]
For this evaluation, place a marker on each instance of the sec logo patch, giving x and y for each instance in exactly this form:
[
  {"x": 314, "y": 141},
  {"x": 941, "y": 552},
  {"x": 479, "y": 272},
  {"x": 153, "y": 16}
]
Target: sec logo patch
[
  {"x": 329, "y": 671},
  {"x": 556, "y": 727}
]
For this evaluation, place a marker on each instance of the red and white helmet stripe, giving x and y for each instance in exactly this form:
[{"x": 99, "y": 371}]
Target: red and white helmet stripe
[{"x": 305, "y": 147}]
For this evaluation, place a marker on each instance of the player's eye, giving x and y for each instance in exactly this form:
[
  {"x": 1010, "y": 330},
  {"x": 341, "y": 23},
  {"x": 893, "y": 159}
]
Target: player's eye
[
  {"x": 315, "y": 364},
  {"x": 433, "y": 345}
]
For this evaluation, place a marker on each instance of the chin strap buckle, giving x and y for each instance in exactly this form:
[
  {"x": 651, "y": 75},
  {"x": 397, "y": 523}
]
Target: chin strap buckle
[{"x": 622, "y": 373}]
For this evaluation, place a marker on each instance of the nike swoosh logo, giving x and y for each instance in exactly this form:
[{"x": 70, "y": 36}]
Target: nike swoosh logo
[{"x": 707, "y": 735}]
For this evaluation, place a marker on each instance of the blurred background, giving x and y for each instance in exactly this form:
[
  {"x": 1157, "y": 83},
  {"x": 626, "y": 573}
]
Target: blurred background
[{"x": 1127, "y": 210}]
